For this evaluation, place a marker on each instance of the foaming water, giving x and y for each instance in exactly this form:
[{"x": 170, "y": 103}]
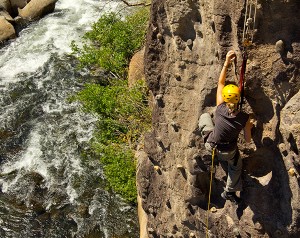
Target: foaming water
[
  {"x": 49, "y": 186},
  {"x": 51, "y": 34}
]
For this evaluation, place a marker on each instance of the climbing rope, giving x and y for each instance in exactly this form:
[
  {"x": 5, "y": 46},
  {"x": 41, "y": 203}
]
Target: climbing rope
[
  {"x": 210, "y": 188},
  {"x": 242, "y": 79},
  {"x": 248, "y": 34}
]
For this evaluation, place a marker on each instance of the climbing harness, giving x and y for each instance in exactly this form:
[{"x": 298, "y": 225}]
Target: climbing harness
[{"x": 210, "y": 187}]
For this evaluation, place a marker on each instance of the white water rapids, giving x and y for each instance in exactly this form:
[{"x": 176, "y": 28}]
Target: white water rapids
[{"x": 49, "y": 188}]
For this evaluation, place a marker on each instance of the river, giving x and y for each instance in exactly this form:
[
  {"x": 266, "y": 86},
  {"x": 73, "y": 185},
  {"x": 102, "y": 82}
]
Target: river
[{"x": 48, "y": 186}]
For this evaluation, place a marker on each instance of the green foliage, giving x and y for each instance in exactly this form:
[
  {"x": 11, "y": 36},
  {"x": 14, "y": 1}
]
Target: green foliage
[
  {"x": 119, "y": 168},
  {"x": 123, "y": 112},
  {"x": 112, "y": 41},
  {"x": 123, "y": 117}
]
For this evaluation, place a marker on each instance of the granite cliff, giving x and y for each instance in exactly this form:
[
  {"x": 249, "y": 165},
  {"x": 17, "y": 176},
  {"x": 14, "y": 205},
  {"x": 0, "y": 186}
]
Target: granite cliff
[{"x": 186, "y": 45}]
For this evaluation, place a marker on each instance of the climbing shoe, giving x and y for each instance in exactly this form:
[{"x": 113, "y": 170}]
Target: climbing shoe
[{"x": 231, "y": 196}]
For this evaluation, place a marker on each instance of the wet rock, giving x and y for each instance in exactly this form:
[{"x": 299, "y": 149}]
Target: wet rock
[{"x": 83, "y": 210}]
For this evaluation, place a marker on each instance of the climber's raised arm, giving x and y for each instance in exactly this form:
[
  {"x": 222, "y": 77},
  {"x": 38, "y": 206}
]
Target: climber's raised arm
[{"x": 221, "y": 83}]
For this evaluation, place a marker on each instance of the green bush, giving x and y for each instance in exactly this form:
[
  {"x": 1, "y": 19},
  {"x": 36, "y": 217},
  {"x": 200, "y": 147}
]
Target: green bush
[
  {"x": 119, "y": 169},
  {"x": 123, "y": 112},
  {"x": 112, "y": 41},
  {"x": 123, "y": 117}
]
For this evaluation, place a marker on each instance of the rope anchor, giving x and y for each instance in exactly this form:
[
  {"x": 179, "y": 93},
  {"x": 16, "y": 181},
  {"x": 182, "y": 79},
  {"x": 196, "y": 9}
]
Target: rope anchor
[{"x": 249, "y": 22}]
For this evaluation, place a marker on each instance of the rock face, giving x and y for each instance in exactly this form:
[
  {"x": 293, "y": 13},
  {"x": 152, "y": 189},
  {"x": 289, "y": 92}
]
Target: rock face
[{"x": 186, "y": 46}]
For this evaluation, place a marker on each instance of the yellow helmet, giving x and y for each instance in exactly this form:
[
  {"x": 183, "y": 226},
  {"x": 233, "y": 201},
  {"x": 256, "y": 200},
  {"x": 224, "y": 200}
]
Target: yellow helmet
[{"x": 231, "y": 93}]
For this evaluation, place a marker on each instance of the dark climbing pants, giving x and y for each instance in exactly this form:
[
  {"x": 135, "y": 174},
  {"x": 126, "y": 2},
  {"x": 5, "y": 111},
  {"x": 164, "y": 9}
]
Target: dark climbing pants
[{"x": 234, "y": 181}]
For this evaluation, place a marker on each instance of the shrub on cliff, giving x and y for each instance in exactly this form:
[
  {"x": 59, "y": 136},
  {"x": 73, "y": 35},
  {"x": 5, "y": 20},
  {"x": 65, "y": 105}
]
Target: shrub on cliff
[
  {"x": 112, "y": 41},
  {"x": 123, "y": 112},
  {"x": 123, "y": 116}
]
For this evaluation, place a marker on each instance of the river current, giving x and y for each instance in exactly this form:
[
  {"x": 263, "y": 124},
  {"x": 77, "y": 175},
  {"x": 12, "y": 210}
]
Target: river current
[{"x": 48, "y": 186}]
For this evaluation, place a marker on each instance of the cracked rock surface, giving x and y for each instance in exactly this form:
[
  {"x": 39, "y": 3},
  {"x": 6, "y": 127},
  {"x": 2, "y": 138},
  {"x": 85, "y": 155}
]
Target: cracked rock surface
[{"x": 186, "y": 46}]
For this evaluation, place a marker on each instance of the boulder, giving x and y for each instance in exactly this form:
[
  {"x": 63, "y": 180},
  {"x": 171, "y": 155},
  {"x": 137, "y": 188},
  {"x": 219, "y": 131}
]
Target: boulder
[
  {"x": 36, "y": 9},
  {"x": 136, "y": 68},
  {"x": 7, "y": 30}
]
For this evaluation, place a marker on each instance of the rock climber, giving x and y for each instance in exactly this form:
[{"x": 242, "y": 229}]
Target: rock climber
[{"x": 223, "y": 134}]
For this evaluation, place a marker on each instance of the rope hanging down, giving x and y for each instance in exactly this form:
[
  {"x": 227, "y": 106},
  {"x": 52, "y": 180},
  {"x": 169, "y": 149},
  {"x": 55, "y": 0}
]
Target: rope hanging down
[
  {"x": 210, "y": 188},
  {"x": 248, "y": 34},
  {"x": 242, "y": 80}
]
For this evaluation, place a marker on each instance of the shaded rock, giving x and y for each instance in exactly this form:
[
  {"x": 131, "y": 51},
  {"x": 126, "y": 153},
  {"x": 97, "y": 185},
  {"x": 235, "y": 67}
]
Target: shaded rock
[
  {"x": 20, "y": 23},
  {"x": 37, "y": 8},
  {"x": 15, "y": 4},
  {"x": 6, "y": 6},
  {"x": 19, "y": 3}
]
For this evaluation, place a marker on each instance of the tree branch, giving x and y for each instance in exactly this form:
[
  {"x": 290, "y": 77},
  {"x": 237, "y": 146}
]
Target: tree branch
[{"x": 136, "y": 4}]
